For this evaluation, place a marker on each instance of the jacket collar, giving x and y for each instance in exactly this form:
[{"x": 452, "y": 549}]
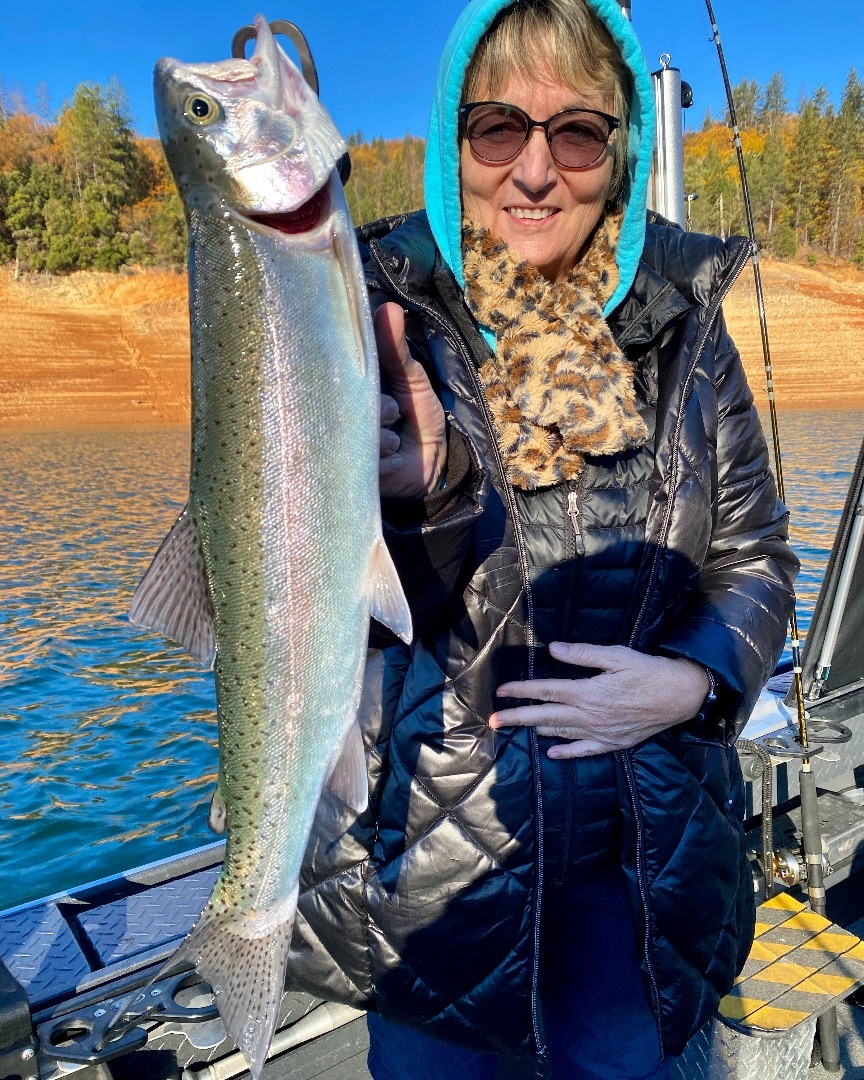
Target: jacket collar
[{"x": 678, "y": 271}]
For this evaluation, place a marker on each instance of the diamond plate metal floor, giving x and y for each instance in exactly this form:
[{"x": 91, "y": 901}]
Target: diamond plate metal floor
[
  {"x": 147, "y": 919},
  {"x": 42, "y": 953}
]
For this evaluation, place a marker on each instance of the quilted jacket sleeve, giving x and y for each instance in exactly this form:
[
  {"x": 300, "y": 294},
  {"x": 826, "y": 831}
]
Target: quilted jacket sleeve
[{"x": 736, "y": 622}]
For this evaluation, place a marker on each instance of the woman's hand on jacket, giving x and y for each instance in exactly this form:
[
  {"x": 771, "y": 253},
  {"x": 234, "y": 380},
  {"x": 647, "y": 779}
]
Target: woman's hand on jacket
[
  {"x": 633, "y": 697},
  {"x": 412, "y": 458}
]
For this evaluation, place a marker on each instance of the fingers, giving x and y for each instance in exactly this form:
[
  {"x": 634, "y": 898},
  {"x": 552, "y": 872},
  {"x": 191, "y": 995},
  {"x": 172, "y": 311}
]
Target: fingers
[
  {"x": 562, "y": 690},
  {"x": 581, "y": 748},
  {"x": 603, "y": 657},
  {"x": 534, "y": 715},
  {"x": 393, "y": 354},
  {"x": 389, "y": 410}
]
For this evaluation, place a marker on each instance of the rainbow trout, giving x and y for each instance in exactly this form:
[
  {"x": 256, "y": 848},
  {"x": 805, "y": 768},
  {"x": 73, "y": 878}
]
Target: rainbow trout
[{"x": 277, "y": 562}]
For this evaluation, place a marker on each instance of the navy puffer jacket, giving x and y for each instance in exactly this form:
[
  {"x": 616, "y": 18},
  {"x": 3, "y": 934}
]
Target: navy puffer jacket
[{"x": 427, "y": 907}]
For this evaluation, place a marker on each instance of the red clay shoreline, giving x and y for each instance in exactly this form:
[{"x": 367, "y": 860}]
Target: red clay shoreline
[{"x": 111, "y": 351}]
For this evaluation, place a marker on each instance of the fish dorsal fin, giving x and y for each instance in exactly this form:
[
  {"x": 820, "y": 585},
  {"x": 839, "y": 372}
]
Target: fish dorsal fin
[
  {"x": 387, "y": 601},
  {"x": 174, "y": 598},
  {"x": 217, "y": 818}
]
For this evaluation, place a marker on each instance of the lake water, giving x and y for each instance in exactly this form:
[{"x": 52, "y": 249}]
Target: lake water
[{"x": 107, "y": 733}]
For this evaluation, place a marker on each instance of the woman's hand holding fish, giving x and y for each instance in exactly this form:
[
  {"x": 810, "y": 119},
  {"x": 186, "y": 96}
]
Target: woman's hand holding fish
[
  {"x": 412, "y": 458},
  {"x": 634, "y": 697}
]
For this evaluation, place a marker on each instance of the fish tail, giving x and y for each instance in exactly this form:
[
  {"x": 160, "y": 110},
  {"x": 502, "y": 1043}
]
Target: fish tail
[{"x": 243, "y": 959}]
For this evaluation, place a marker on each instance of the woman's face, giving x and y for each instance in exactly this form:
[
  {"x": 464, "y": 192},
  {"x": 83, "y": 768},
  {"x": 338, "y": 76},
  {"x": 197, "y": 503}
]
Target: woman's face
[{"x": 571, "y": 200}]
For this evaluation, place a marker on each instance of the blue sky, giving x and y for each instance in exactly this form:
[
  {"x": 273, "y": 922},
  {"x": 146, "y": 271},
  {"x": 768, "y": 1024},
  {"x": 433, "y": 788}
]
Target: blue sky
[{"x": 377, "y": 59}]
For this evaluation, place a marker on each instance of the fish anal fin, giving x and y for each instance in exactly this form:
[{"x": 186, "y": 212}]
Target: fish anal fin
[
  {"x": 348, "y": 781},
  {"x": 174, "y": 598},
  {"x": 387, "y": 601}
]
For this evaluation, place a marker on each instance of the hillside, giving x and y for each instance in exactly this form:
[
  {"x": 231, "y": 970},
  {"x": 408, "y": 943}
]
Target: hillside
[
  {"x": 98, "y": 348},
  {"x": 816, "y": 333},
  {"x": 92, "y": 349}
]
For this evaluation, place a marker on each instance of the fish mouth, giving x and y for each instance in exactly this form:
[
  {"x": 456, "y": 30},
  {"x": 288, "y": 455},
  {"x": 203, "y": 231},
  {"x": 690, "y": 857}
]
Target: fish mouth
[{"x": 304, "y": 219}]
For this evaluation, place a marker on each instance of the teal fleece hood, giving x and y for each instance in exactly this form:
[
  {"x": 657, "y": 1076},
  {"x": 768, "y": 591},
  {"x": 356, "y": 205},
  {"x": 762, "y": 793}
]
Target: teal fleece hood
[{"x": 441, "y": 182}]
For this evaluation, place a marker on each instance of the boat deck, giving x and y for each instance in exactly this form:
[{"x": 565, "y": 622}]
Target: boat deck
[{"x": 70, "y": 951}]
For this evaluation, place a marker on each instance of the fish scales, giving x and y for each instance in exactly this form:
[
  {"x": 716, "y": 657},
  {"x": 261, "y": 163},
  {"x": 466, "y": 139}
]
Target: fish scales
[
  {"x": 277, "y": 562},
  {"x": 289, "y": 501}
]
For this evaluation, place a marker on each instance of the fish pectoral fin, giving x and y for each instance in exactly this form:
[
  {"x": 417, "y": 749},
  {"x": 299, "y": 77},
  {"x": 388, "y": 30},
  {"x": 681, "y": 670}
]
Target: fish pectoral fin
[
  {"x": 348, "y": 781},
  {"x": 387, "y": 601},
  {"x": 174, "y": 598},
  {"x": 349, "y": 265}
]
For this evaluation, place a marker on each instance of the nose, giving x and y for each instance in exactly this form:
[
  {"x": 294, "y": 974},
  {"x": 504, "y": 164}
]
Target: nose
[{"x": 535, "y": 166}]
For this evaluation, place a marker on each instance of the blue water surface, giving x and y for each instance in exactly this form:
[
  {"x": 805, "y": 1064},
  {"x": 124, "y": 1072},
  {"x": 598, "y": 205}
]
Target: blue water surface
[{"x": 108, "y": 733}]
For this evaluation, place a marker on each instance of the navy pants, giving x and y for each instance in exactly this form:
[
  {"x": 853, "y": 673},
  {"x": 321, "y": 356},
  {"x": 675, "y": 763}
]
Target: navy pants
[{"x": 597, "y": 1021}]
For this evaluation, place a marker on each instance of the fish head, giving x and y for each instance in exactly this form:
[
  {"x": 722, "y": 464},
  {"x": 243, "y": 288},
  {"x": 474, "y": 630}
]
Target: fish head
[{"x": 248, "y": 135}]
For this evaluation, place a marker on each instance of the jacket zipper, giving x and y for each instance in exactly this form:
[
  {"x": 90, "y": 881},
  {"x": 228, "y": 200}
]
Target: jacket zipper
[
  {"x": 625, "y": 756},
  {"x": 573, "y": 512},
  {"x": 643, "y": 893},
  {"x": 462, "y": 348}
]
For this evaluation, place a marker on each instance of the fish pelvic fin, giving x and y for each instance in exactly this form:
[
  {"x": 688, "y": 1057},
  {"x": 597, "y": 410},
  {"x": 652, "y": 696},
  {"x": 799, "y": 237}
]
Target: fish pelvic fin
[
  {"x": 243, "y": 959},
  {"x": 174, "y": 597},
  {"x": 387, "y": 601},
  {"x": 349, "y": 781}
]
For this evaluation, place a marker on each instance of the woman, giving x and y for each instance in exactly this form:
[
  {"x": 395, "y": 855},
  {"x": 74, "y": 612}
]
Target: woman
[{"x": 578, "y": 498}]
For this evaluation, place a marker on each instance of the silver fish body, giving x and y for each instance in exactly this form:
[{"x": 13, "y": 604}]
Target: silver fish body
[{"x": 278, "y": 560}]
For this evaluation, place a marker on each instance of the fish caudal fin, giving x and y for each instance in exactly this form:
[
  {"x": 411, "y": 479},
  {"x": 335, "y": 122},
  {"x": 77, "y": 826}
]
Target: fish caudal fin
[
  {"x": 243, "y": 959},
  {"x": 387, "y": 601},
  {"x": 174, "y": 598}
]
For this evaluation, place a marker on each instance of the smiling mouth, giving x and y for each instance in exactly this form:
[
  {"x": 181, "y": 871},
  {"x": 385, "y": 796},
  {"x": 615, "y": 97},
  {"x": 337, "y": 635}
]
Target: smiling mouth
[
  {"x": 304, "y": 219},
  {"x": 531, "y": 213}
]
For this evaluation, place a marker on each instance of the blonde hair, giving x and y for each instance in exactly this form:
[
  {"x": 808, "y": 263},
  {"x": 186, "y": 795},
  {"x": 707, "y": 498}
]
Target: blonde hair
[{"x": 563, "y": 39}]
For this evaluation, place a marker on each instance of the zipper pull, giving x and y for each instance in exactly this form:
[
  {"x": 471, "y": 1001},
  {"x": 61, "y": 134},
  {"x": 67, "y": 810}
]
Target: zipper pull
[{"x": 573, "y": 513}]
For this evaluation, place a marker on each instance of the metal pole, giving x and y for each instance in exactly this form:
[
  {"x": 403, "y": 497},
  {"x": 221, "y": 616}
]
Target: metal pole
[
  {"x": 844, "y": 583},
  {"x": 669, "y": 148}
]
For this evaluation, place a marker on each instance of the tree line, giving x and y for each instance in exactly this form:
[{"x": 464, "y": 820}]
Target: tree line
[
  {"x": 83, "y": 191},
  {"x": 805, "y": 170}
]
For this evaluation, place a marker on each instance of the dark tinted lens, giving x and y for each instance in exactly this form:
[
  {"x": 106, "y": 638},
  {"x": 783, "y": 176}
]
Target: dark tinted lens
[
  {"x": 496, "y": 132},
  {"x": 578, "y": 139}
]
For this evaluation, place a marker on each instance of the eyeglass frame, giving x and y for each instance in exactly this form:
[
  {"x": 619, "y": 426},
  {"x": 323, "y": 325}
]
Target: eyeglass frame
[{"x": 466, "y": 110}]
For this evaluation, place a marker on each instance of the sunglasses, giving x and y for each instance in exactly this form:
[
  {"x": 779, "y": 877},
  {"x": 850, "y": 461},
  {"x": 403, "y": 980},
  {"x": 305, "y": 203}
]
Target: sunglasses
[{"x": 497, "y": 133}]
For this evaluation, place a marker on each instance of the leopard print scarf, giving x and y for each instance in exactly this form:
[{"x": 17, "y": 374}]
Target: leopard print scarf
[{"x": 558, "y": 386}]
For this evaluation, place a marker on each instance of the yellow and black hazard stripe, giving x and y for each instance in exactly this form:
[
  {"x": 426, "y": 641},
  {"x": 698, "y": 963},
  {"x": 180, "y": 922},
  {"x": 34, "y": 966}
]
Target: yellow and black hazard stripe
[{"x": 800, "y": 965}]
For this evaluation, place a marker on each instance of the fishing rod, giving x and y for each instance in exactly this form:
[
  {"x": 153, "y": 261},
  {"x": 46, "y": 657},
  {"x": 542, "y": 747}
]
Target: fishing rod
[{"x": 811, "y": 829}]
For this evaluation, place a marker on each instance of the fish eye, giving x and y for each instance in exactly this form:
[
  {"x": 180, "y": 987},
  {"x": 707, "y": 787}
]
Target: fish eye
[{"x": 202, "y": 109}]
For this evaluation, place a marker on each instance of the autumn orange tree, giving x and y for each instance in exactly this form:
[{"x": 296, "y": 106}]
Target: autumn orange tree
[
  {"x": 84, "y": 191},
  {"x": 386, "y": 177}
]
